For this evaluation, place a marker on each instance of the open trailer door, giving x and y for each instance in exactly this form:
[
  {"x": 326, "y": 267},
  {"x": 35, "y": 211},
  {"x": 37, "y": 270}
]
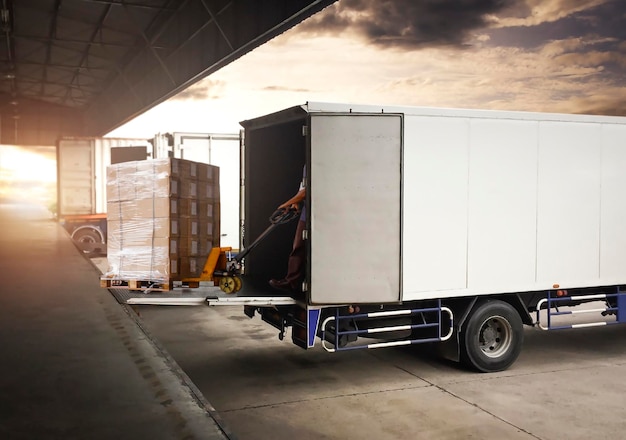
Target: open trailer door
[{"x": 354, "y": 189}]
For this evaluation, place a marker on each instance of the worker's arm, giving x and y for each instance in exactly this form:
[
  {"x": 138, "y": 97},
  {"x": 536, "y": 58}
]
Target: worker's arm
[{"x": 294, "y": 201}]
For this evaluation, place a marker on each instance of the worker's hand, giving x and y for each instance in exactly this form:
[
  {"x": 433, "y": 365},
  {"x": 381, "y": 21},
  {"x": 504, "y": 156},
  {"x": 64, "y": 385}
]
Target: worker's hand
[{"x": 286, "y": 206}]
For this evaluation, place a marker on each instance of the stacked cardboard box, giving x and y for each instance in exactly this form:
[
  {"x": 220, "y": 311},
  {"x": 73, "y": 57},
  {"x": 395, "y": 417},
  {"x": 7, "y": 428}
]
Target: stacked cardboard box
[{"x": 163, "y": 219}]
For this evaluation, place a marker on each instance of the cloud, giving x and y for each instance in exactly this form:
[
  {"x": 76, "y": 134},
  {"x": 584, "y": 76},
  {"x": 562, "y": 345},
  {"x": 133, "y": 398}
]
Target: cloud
[
  {"x": 558, "y": 47},
  {"x": 416, "y": 24},
  {"x": 565, "y": 56},
  {"x": 204, "y": 89},
  {"x": 536, "y": 12},
  {"x": 604, "y": 104},
  {"x": 566, "y": 75},
  {"x": 592, "y": 59},
  {"x": 407, "y": 24},
  {"x": 285, "y": 89},
  {"x": 510, "y": 78},
  {"x": 586, "y": 51}
]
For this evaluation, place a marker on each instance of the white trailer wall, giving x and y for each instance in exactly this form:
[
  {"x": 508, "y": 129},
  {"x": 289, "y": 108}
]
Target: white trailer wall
[
  {"x": 613, "y": 202},
  {"x": 81, "y": 172},
  {"x": 568, "y": 221},
  {"x": 435, "y": 216},
  {"x": 504, "y": 204}
]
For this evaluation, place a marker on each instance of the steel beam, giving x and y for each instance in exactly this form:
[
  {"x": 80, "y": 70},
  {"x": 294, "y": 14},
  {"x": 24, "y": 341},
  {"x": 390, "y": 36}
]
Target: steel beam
[{"x": 200, "y": 46}]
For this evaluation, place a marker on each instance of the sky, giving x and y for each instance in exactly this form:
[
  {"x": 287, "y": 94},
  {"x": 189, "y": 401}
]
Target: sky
[{"x": 565, "y": 56}]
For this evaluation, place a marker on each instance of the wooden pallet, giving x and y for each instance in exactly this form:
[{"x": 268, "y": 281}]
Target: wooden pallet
[{"x": 143, "y": 285}]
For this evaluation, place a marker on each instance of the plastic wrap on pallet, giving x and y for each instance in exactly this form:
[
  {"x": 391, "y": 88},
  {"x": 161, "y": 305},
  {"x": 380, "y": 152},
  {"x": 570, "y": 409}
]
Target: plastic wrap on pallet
[
  {"x": 162, "y": 219},
  {"x": 149, "y": 264},
  {"x": 140, "y": 249},
  {"x": 142, "y": 180},
  {"x": 161, "y": 178}
]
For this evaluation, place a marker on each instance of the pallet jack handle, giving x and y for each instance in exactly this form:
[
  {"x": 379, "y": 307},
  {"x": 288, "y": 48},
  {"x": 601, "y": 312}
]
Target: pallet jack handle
[{"x": 279, "y": 217}]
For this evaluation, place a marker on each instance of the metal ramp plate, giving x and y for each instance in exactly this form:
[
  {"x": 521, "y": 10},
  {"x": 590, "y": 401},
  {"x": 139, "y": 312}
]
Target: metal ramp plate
[
  {"x": 231, "y": 300},
  {"x": 187, "y": 297},
  {"x": 252, "y": 292}
]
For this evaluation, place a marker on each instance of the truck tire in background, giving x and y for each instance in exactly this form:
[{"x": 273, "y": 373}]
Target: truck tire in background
[
  {"x": 89, "y": 240},
  {"x": 492, "y": 337}
]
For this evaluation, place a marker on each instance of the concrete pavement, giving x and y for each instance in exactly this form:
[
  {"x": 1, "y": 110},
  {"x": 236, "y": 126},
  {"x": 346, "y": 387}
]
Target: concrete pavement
[
  {"x": 565, "y": 385},
  {"x": 75, "y": 364}
]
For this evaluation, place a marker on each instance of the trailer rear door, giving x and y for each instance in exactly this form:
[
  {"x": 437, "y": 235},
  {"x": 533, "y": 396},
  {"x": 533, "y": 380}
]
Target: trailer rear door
[
  {"x": 76, "y": 170},
  {"x": 354, "y": 198}
]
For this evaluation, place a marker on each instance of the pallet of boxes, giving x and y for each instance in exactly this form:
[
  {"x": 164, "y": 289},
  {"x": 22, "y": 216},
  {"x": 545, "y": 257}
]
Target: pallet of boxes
[{"x": 163, "y": 220}]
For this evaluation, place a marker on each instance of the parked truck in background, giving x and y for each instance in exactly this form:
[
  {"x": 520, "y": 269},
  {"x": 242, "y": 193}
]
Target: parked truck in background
[
  {"x": 81, "y": 184},
  {"x": 81, "y": 176}
]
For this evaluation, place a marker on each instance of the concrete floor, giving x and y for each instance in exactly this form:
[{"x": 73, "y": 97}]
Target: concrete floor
[
  {"x": 75, "y": 363},
  {"x": 565, "y": 385}
]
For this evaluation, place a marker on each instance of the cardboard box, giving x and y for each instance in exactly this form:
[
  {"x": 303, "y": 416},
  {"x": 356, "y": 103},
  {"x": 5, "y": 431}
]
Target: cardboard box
[
  {"x": 208, "y": 210},
  {"x": 191, "y": 267},
  {"x": 185, "y": 207},
  {"x": 208, "y": 191},
  {"x": 188, "y": 247},
  {"x": 161, "y": 227},
  {"x": 141, "y": 246},
  {"x": 208, "y": 173},
  {"x": 152, "y": 178},
  {"x": 189, "y": 226},
  {"x": 138, "y": 262},
  {"x": 206, "y": 229},
  {"x": 142, "y": 208},
  {"x": 163, "y": 220},
  {"x": 168, "y": 167},
  {"x": 205, "y": 244},
  {"x": 184, "y": 188},
  {"x": 160, "y": 272}
]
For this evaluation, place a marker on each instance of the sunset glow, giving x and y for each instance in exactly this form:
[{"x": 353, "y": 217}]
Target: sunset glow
[{"x": 560, "y": 56}]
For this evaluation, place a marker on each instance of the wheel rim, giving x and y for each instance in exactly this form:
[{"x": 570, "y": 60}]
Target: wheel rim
[{"x": 496, "y": 336}]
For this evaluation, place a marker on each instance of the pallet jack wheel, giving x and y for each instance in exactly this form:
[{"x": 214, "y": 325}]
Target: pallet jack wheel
[
  {"x": 230, "y": 284},
  {"x": 238, "y": 284}
]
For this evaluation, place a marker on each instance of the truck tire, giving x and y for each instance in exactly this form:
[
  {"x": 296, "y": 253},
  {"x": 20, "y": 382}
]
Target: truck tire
[
  {"x": 492, "y": 337},
  {"x": 88, "y": 240}
]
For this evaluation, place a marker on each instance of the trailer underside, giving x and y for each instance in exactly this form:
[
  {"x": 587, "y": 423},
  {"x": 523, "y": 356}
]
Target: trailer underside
[{"x": 484, "y": 332}]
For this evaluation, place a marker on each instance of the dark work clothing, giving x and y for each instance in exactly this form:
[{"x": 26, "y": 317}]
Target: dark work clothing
[
  {"x": 295, "y": 266},
  {"x": 302, "y": 186},
  {"x": 297, "y": 258}
]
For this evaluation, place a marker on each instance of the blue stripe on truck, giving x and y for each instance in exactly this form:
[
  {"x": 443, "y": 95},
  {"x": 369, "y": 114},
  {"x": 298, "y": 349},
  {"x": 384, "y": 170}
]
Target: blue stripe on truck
[{"x": 313, "y": 322}]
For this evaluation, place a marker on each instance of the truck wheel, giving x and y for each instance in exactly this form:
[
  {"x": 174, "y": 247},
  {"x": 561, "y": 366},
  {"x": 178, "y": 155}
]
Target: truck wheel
[
  {"x": 492, "y": 337},
  {"x": 88, "y": 241}
]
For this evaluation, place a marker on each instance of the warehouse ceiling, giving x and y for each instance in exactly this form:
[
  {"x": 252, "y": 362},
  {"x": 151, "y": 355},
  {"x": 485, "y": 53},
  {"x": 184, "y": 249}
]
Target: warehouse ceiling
[{"x": 85, "y": 67}]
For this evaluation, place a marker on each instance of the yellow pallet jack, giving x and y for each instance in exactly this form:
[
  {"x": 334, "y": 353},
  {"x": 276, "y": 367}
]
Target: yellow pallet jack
[{"x": 224, "y": 267}]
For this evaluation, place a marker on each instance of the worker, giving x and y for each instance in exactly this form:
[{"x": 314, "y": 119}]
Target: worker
[{"x": 295, "y": 266}]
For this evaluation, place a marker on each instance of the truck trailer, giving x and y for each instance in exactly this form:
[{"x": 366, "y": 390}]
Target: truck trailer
[
  {"x": 81, "y": 184},
  {"x": 424, "y": 225}
]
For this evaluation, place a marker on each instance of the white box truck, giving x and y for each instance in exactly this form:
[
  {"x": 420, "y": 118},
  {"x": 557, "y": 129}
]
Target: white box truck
[{"x": 436, "y": 225}]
